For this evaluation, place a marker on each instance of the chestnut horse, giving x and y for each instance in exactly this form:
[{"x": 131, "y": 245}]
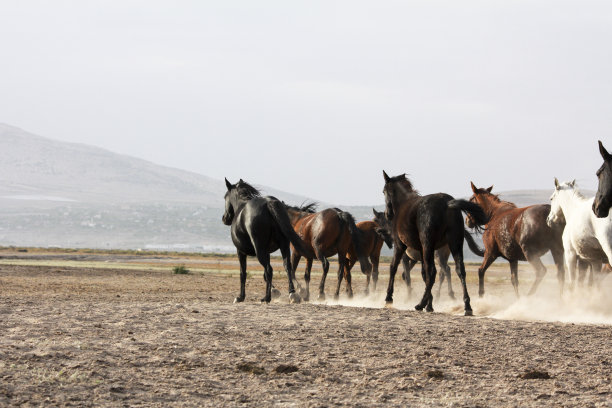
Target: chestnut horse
[
  {"x": 603, "y": 198},
  {"x": 427, "y": 223},
  {"x": 373, "y": 240},
  {"x": 326, "y": 233},
  {"x": 517, "y": 234}
]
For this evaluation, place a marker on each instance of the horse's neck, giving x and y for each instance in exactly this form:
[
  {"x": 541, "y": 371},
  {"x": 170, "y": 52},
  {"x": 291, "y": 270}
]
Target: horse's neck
[
  {"x": 493, "y": 207},
  {"x": 295, "y": 215},
  {"x": 570, "y": 203}
]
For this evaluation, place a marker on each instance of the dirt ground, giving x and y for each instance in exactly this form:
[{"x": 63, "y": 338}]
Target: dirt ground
[{"x": 136, "y": 334}]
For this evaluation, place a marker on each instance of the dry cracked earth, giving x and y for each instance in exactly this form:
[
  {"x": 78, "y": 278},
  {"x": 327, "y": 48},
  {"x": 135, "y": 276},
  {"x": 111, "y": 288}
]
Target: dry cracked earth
[{"x": 82, "y": 336}]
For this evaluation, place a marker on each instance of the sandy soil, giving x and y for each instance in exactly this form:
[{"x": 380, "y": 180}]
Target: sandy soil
[{"x": 88, "y": 336}]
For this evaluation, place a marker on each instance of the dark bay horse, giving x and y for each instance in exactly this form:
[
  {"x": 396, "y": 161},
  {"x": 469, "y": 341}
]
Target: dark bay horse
[
  {"x": 427, "y": 223},
  {"x": 517, "y": 234},
  {"x": 326, "y": 233},
  {"x": 413, "y": 256},
  {"x": 372, "y": 242},
  {"x": 259, "y": 226},
  {"x": 603, "y": 198}
]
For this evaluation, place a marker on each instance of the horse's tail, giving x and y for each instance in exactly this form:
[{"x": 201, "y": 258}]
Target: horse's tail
[
  {"x": 472, "y": 244},
  {"x": 279, "y": 213},
  {"x": 474, "y": 210},
  {"x": 357, "y": 237}
]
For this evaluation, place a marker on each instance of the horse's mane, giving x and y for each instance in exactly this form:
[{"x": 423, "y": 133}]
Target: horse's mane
[
  {"x": 495, "y": 198},
  {"x": 310, "y": 207},
  {"x": 247, "y": 191},
  {"x": 574, "y": 189},
  {"x": 404, "y": 182}
]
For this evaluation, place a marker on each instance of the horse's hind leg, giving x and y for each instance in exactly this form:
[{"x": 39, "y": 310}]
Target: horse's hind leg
[
  {"x": 286, "y": 253},
  {"x": 325, "y": 264},
  {"x": 375, "y": 259},
  {"x": 408, "y": 264},
  {"x": 514, "y": 276},
  {"x": 429, "y": 267},
  {"x": 341, "y": 273},
  {"x": 583, "y": 266},
  {"x": 306, "y": 294},
  {"x": 557, "y": 254},
  {"x": 460, "y": 269},
  {"x": 486, "y": 262},
  {"x": 540, "y": 271},
  {"x": 295, "y": 261},
  {"x": 445, "y": 273},
  {"x": 242, "y": 259},
  {"x": 398, "y": 251}
]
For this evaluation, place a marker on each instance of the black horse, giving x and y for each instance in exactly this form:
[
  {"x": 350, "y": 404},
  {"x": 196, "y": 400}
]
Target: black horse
[
  {"x": 427, "y": 223},
  {"x": 413, "y": 256},
  {"x": 603, "y": 198},
  {"x": 259, "y": 226}
]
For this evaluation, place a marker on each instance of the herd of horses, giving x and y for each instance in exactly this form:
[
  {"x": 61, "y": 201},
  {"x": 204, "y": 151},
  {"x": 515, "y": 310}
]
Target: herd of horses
[{"x": 422, "y": 228}]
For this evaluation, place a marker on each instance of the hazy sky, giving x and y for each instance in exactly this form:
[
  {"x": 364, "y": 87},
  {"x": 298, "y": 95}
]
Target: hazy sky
[{"x": 317, "y": 97}]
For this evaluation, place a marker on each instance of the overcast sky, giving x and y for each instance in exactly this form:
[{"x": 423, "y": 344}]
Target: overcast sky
[{"x": 317, "y": 97}]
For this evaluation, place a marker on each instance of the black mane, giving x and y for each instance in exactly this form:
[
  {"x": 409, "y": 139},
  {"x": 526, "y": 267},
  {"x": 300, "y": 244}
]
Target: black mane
[
  {"x": 247, "y": 191},
  {"x": 310, "y": 208}
]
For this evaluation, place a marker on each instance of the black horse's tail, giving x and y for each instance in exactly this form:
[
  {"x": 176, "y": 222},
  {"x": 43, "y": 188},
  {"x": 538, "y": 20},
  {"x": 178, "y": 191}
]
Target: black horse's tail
[
  {"x": 357, "y": 237},
  {"x": 472, "y": 244},
  {"x": 279, "y": 213},
  {"x": 473, "y": 209}
]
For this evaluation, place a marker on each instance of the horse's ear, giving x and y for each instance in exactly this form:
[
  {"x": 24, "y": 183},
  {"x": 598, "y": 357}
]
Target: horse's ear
[
  {"x": 489, "y": 189},
  {"x": 386, "y": 176},
  {"x": 474, "y": 188},
  {"x": 374, "y": 212},
  {"x": 228, "y": 184},
  {"x": 573, "y": 183},
  {"x": 240, "y": 181},
  {"x": 602, "y": 150},
  {"x": 556, "y": 184}
]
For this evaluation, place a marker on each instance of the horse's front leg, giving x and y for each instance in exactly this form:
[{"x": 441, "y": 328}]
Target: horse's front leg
[
  {"x": 408, "y": 265},
  {"x": 242, "y": 259},
  {"x": 398, "y": 252}
]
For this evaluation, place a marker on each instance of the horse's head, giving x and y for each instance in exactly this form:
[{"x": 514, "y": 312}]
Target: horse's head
[
  {"x": 230, "y": 199},
  {"x": 384, "y": 227},
  {"x": 556, "y": 216},
  {"x": 603, "y": 198},
  {"x": 236, "y": 195},
  {"x": 479, "y": 196},
  {"x": 396, "y": 188}
]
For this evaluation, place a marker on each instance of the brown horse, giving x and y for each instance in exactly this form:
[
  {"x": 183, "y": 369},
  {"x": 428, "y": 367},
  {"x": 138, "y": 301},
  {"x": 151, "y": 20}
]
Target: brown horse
[
  {"x": 372, "y": 243},
  {"x": 326, "y": 233},
  {"x": 517, "y": 234}
]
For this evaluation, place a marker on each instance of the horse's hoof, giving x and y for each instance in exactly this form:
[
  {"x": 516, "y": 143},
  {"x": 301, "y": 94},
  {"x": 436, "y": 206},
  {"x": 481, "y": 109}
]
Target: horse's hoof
[
  {"x": 429, "y": 309},
  {"x": 418, "y": 307},
  {"x": 265, "y": 300},
  {"x": 238, "y": 299},
  {"x": 451, "y": 295},
  {"x": 294, "y": 298},
  {"x": 336, "y": 296},
  {"x": 350, "y": 295},
  {"x": 366, "y": 292},
  {"x": 469, "y": 313},
  {"x": 480, "y": 294},
  {"x": 303, "y": 293},
  {"x": 276, "y": 293},
  {"x": 321, "y": 296}
]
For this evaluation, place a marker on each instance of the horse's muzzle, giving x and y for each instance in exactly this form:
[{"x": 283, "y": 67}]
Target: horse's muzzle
[{"x": 600, "y": 209}]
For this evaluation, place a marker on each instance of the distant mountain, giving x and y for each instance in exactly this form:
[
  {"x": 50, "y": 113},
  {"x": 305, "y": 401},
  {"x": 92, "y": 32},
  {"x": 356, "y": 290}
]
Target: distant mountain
[{"x": 54, "y": 193}]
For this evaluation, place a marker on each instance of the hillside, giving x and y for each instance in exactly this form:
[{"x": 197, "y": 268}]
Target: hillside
[{"x": 54, "y": 193}]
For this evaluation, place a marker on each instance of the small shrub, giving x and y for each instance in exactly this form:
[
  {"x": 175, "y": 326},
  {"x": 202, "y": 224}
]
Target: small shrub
[{"x": 180, "y": 270}]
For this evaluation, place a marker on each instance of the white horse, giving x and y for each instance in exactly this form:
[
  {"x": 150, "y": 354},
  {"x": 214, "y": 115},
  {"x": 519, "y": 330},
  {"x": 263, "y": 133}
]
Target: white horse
[{"x": 585, "y": 236}]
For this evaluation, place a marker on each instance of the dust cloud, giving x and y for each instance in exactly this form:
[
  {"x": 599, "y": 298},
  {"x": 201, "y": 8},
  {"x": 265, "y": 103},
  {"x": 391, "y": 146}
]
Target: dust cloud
[{"x": 578, "y": 305}]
